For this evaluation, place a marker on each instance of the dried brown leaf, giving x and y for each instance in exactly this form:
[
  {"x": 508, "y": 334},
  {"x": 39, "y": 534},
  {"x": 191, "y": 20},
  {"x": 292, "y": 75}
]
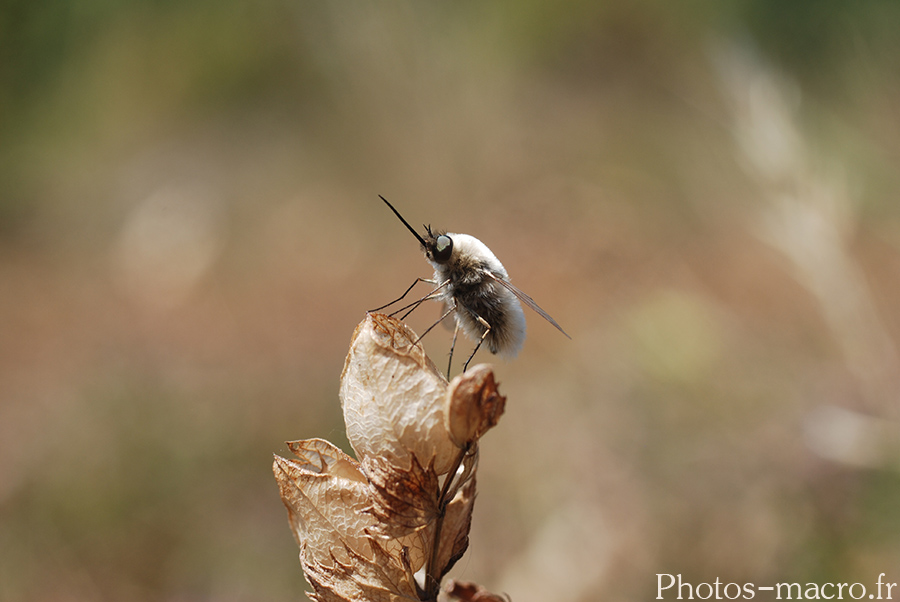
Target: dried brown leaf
[
  {"x": 365, "y": 528},
  {"x": 393, "y": 397},
  {"x": 471, "y": 592},
  {"x": 325, "y": 494},
  {"x": 402, "y": 500},
  {"x": 473, "y": 405},
  {"x": 377, "y": 579},
  {"x": 455, "y": 529}
]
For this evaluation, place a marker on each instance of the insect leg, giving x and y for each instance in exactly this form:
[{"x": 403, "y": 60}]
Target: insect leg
[
  {"x": 415, "y": 282},
  {"x": 487, "y": 329},
  {"x": 412, "y": 306},
  {"x": 441, "y": 319},
  {"x": 452, "y": 347}
]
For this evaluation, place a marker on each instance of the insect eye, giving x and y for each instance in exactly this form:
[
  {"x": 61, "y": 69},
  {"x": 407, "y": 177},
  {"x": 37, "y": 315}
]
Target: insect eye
[{"x": 443, "y": 247}]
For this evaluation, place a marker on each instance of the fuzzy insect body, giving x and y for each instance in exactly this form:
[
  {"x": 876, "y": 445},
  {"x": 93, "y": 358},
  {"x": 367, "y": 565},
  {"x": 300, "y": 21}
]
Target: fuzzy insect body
[
  {"x": 475, "y": 291},
  {"x": 475, "y": 288}
]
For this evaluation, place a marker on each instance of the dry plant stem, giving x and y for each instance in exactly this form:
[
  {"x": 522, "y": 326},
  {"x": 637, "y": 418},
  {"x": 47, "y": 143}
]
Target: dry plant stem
[{"x": 432, "y": 581}]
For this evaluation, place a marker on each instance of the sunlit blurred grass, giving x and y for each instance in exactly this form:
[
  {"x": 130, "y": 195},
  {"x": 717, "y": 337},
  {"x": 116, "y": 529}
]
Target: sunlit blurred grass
[{"x": 189, "y": 232}]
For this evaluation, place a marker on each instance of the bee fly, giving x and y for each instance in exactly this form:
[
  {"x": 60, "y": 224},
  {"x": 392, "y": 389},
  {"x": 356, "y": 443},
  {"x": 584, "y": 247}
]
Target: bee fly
[{"x": 474, "y": 286}]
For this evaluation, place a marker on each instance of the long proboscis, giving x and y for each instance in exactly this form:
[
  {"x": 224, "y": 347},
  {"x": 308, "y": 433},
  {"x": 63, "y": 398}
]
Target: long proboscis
[{"x": 405, "y": 223}]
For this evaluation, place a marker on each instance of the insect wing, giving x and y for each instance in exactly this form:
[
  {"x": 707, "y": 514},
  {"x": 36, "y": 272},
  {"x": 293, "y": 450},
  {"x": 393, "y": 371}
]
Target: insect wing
[{"x": 527, "y": 301}]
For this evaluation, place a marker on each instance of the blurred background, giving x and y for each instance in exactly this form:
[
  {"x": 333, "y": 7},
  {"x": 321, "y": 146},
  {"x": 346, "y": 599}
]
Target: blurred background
[{"x": 704, "y": 194}]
